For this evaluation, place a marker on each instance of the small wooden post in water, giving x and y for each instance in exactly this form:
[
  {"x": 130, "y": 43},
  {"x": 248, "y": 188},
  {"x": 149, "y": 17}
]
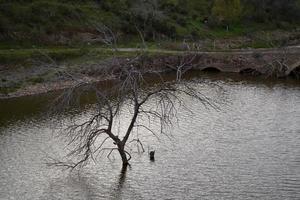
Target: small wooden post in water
[{"x": 151, "y": 154}]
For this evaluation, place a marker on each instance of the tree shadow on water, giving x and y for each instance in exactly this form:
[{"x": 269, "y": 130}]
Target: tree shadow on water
[{"x": 118, "y": 188}]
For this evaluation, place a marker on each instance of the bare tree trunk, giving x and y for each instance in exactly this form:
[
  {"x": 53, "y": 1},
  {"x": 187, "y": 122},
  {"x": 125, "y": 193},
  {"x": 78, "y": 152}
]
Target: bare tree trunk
[{"x": 123, "y": 154}]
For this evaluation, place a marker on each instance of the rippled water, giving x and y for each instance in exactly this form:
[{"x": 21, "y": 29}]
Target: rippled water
[{"x": 249, "y": 149}]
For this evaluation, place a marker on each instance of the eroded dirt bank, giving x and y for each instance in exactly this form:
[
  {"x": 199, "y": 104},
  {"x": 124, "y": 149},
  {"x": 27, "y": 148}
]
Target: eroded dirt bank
[{"x": 47, "y": 77}]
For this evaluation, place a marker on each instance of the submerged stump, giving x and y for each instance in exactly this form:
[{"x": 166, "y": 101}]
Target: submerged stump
[{"x": 151, "y": 154}]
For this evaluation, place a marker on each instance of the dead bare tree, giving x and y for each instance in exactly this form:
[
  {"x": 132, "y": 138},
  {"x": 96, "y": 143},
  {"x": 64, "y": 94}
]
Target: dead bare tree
[
  {"x": 184, "y": 64},
  {"x": 132, "y": 89},
  {"x": 278, "y": 66},
  {"x": 132, "y": 86}
]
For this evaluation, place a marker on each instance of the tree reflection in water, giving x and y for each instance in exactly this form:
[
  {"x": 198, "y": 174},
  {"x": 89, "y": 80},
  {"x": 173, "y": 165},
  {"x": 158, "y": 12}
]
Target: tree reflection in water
[{"x": 118, "y": 189}]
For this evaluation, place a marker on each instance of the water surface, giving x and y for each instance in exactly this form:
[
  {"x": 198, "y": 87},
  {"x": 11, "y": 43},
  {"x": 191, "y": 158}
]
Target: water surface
[{"x": 249, "y": 149}]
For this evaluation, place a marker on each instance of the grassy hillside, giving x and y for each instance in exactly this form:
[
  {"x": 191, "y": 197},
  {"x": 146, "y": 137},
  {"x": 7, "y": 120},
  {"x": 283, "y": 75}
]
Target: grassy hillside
[{"x": 25, "y": 23}]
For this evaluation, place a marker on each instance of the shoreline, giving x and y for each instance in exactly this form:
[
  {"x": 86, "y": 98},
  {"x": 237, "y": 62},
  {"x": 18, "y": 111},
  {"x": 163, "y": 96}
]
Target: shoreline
[{"x": 254, "y": 62}]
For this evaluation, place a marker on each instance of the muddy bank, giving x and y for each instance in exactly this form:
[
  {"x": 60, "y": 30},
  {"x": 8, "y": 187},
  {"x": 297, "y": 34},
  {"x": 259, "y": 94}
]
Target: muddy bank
[
  {"x": 264, "y": 62},
  {"x": 277, "y": 63}
]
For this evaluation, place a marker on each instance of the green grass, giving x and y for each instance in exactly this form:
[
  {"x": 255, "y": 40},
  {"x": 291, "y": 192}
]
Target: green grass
[
  {"x": 31, "y": 22},
  {"x": 27, "y": 23},
  {"x": 58, "y": 54},
  {"x": 14, "y": 56},
  {"x": 36, "y": 79},
  {"x": 14, "y": 86}
]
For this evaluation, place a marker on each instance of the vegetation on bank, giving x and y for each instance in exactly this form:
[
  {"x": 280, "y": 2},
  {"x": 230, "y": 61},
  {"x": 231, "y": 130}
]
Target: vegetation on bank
[
  {"x": 46, "y": 71},
  {"x": 25, "y": 23},
  {"x": 66, "y": 29},
  {"x": 20, "y": 68},
  {"x": 34, "y": 33}
]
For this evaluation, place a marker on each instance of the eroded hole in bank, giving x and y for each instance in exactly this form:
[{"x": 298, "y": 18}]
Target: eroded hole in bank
[
  {"x": 295, "y": 73},
  {"x": 211, "y": 70}
]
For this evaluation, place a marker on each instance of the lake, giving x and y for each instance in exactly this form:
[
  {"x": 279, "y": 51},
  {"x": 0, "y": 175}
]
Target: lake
[{"x": 248, "y": 149}]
